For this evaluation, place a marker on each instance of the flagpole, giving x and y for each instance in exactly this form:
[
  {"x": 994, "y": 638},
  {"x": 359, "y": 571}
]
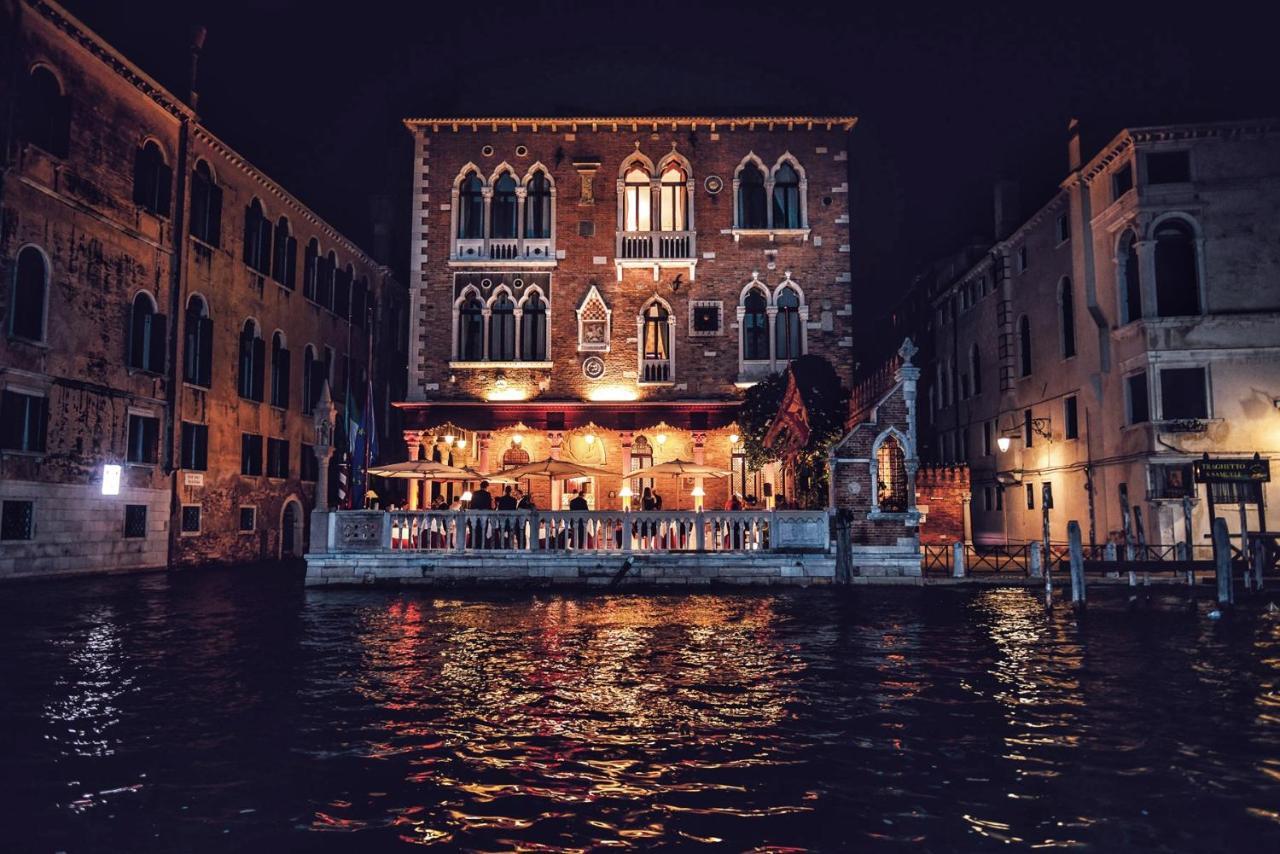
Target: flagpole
[{"x": 368, "y": 399}]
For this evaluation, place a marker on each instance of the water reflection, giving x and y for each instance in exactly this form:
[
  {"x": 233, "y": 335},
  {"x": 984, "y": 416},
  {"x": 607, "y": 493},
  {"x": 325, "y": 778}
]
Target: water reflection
[{"x": 203, "y": 712}]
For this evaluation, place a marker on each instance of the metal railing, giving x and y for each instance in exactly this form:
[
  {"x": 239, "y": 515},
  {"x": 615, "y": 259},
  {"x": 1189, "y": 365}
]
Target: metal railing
[
  {"x": 1016, "y": 558},
  {"x": 659, "y": 245}
]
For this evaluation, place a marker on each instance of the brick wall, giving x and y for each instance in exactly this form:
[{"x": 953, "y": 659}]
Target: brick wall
[{"x": 943, "y": 492}]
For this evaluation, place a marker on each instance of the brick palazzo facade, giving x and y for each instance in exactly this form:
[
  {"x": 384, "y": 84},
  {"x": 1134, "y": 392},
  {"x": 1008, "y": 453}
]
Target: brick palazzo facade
[
  {"x": 602, "y": 289},
  {"x": 166, "y": 308}
]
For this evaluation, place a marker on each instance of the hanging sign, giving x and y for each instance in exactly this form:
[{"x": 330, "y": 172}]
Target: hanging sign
[{"x": 1253, "y": 470}]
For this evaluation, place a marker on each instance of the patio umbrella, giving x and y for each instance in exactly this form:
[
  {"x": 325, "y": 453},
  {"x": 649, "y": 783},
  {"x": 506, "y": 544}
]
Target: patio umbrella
[
  {"x": 421, "y": 470},
  {"x": 496, "y": 477},
  {"x": 556, "y": 470},
  {"x": 677, "y": 469}
]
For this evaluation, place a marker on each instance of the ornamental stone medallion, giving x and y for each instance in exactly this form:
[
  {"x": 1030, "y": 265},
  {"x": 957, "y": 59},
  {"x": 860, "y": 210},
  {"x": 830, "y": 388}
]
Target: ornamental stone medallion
[{"x": 593, "y": 367}]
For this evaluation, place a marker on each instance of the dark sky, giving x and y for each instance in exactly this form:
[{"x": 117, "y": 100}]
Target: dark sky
[{"x": 951, "y": 96}]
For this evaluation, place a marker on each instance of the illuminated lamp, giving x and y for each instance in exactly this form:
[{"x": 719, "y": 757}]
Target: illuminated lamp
[
  {"x": 465, "y": 498},
  {"x": 111, "y": 479},
  {"x": 449, "y": 438},
  {"x": 662, "y": 438},
  {"x": 611, "y": 393},
  {"x": 1003, "y": 443},
  {"x": 733, "y": 438},
  {"x": 591, "y": 438},
  {"x": 517, "y": 439},
  {"x": 625, "y": 494},
  {"x": 462, "y": 443}
]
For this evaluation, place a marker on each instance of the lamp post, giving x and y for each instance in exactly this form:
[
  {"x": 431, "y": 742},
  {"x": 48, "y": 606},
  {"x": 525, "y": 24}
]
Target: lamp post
[{"x": 625, "y": 494}]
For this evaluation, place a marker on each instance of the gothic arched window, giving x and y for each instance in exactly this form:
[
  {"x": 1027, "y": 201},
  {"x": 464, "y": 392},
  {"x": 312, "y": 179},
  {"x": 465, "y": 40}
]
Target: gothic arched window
[
  {"x": 537, "y": 207},
  {"x": 533, "y": 329},
  {"x": 151, "y": 178},
  {"x": 471, "y": 208},
  {"x": 502, "y": 329},
  {"x": 284, "y": 258},
  {"x": 471, "y": 331},
  {"x": 44, "y": 112},
  {"x": 753, "y": 211},
  {"x": 789, "y": 343},
  {"x": 502, "y": 211},
  {"x": 786, "y": 197},
  {"x": 636, "y": 200},
  {"x": 311, "y": 270},
  {"x": 891, "y": 477},
  {"x": 656, "y": 344},
  {"x": 673, "y": 200},
  {"x": 755, "y": 326}
]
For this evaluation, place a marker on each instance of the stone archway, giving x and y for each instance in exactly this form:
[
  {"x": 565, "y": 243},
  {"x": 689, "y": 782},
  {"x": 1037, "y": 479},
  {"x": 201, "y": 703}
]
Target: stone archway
[{"x": 292, "y": 529}]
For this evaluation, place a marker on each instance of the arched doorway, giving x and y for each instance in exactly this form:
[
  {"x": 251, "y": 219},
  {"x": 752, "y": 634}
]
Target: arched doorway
[{"x": 292, "y": 538}]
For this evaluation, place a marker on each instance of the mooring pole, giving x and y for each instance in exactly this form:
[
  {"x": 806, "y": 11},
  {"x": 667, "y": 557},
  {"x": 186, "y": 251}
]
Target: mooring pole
[
  {"x": 1046, "y": 504},
  {"x": 957, "y": 559},
  {"x": 1222, "y": 561},
  {"x": 1076, "y": 553},
  {"x": 1188, "y": 550},
  {"x": 1124, "y": 521},
  {"x": 1259, "y": 559},
  {"x": 1244, "y": 537},
  {"x": 1035, "y": 560}
]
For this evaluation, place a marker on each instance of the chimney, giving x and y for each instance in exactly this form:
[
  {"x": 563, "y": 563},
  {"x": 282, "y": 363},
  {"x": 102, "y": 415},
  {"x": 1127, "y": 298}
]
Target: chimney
[
  {"x": 380, "y": 215},
  {"x": 1006, "y": 208},
  {"x": 197, "y": 45},
  {"x": 1073, "y": 146}
]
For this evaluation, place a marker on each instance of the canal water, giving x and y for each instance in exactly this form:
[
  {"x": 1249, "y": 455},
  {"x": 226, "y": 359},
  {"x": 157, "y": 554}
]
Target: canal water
[{"x": 237, "y": 711}]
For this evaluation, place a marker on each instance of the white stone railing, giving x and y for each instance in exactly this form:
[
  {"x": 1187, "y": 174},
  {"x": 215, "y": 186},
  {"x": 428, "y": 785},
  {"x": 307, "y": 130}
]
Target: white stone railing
[
  {"x": 658, "y": 245},
  {"x": 592, "y": 531}
]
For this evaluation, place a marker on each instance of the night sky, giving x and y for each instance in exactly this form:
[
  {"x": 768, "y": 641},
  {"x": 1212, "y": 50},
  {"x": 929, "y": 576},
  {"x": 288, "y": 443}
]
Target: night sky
[{"x": 950, "y": 97}]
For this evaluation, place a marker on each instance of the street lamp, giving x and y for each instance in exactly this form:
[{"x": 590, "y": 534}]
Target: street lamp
[
  {"x": 698, "y": 494},
  {"x": 625, "y": 494},
  {"x": 1003, "y": 443}
]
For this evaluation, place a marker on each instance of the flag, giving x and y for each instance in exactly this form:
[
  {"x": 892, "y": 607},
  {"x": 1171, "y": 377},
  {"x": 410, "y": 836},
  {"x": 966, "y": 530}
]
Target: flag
[{"x": 364, "y": 447}]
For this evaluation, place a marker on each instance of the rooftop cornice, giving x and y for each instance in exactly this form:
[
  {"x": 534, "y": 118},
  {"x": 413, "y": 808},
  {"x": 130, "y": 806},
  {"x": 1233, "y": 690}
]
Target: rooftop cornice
[
  {"x": 632, "y": 124},
  {"x": 1127, "y": 138},
  {"x": 92, "y": 42},
  {"x": 242, "y": 163}
]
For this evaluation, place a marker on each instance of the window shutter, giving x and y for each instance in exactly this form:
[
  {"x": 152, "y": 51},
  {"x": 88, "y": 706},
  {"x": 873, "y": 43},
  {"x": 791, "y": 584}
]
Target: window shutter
[
  {"x": 199, "y": 206},
  {"x": 140, "y": 177},
  {"x": 259, "y": 361},
  {"x": 283, "y": 394},
  {"x": 202, "y": 448},
  {"x": 159, "y": 340},
  {"x": 165, "y": 181},
  {"x": 214, "y": 235},
  {"x": 250, "y": 237},
  {"x": 204, "y": 365},
  {"x": 291, "y": 263}
]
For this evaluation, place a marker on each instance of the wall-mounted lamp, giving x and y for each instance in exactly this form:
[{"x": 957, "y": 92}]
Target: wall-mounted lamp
[
  {"x": 733, "y": 438},
  {"x": 1003, "y": 443},
  {"x": 517, "y": 439},
  {"x": 462, "y": 443},
  {"x": 591, "y": 438},
  {"x": 449, "y": 439},
  {"x": 662, "y": 439}
]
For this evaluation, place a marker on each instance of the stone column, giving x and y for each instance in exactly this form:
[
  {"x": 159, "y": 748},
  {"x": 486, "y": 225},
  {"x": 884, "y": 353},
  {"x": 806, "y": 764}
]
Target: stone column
[
  {"x": 482, "y": 450},
  {"x": 699, "y": 457},
  {"x": 909, "y": 375},
  {"x": 1147, "y": 276},
  {"x": 626, "y": 437},
  {"x": 323, "y": 419},
  {"x": 412, "y": 443},
  {"x": 556, "y": 438},
  {"x": 772, "y": 314}
]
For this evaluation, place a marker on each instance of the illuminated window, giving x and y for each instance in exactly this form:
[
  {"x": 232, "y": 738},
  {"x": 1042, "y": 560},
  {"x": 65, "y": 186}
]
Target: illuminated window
[
  {"x": 655, "y": 365},
  {"x": 636, "y": 200},
  {"x": 891, "y": 476},
  {"x": 673, "y": 198}
]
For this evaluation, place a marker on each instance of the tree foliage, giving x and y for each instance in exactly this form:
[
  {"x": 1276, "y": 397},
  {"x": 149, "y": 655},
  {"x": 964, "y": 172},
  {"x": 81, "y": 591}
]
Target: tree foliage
[{"x": 826, "y": 403}]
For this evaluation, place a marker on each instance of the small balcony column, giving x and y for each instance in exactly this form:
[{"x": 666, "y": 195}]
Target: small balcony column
[
  {"x": 772, "y": 331},
  {"x": 485, "y": 315},
  {"x": 655, "y": 215},
  {"x": 487, "y": 194},
  {"x": 690, "y": 187},
  {"x": 519, "y": 336},
  {"x": 1147, "y": 276},
  {"x": 522, "y": 193},
  {"x": 412, "y": 445},
  {"x": 626, "y": 438},
  {"x": 768, "y": 200}
]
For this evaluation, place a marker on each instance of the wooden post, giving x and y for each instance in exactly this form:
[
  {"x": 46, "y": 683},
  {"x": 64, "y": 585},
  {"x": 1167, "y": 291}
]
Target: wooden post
[
  {"x": 1222, "y": 562},
  {"x": 1035, "y": 560},
  {"x": 1109, "y": 552},
  {"x": 1077, "y": 563},
  {"x": 1141, "y": 551},
  {"x": 957, "y": 559},
  {"x": 1046, "y": 504},
  {"x": 1186, "y": 526},
  {"x": 1259, "y": 560},
  {"x": 1244, "y": 534},
  {"x": 1124, "y": 521}
]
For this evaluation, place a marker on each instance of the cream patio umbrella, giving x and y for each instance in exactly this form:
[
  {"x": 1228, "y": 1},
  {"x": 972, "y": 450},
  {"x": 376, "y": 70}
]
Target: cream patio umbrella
[
  {"x": 421, "y": 470},
  {"x": 678, "y": 469},
  {"x": 551, "y": 470}
]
